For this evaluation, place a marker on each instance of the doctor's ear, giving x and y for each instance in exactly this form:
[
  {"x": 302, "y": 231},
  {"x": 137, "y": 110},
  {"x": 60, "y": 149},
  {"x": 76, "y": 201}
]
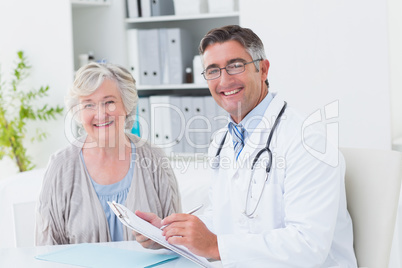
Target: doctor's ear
[{"x": 264, "y": 67}]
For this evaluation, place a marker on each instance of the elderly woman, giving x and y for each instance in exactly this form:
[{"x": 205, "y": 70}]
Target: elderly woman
[{"x": 106, "y": 164}]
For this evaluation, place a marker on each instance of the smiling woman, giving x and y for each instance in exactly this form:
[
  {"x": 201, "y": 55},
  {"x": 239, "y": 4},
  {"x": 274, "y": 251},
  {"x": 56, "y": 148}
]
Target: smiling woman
[
  {"x": 102, "y": 165},
  {"x": 103, "y": 114}
]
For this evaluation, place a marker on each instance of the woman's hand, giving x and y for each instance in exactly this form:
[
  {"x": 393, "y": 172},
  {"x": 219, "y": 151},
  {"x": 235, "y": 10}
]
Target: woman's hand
[{"x": 143, "y": 240}]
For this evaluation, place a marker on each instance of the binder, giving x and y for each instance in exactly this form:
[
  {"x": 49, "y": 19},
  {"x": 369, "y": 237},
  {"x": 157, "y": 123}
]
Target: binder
[
  {"x": 158, "y": 118},
  {"x": 198, "y": 69},
  {"x": 164, "y": 55},
  {"x": 132, "y": 52},
  {"x": 132, "y": 9},
  {"x": 177, "y": 124},
  {"x": 144, "y": 117},
  {"x": 167, "y": 123},
  {"x": 162, "y": 7},
  {"x": 186, "y": 104},
  {"x": 149, "y": 58},
  {"x": 145, "y": 8},
  {"x": 198, "y": 126},
  {"x": 180, "y": 55},
  {"x": 210, "y": 108}
]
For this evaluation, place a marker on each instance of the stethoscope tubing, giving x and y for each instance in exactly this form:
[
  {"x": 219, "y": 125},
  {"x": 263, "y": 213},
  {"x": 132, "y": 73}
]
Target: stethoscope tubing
[{"x": 216, "y": 160}]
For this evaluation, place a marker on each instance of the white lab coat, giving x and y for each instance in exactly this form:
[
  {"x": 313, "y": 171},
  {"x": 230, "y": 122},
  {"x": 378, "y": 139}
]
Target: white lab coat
[{"x": 301, "y": 219}]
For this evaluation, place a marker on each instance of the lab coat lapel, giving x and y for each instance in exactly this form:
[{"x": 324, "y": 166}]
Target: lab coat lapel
[{"x": 259, "y": 137}]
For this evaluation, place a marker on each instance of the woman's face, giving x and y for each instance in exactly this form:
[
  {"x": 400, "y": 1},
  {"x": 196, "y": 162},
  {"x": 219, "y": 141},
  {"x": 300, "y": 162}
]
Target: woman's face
[{"x": 103, "y": 114}]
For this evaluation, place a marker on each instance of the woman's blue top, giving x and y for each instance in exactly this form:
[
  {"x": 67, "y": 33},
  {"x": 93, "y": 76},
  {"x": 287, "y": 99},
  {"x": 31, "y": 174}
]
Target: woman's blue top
[{"x": 114, "y": 192}]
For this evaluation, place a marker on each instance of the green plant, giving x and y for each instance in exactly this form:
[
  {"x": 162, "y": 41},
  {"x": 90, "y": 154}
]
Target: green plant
[{"x": 16, "y": 109}]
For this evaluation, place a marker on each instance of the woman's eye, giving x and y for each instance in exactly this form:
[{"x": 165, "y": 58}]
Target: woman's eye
[
  {"x": 88, "y": 106},
  {"x": 109, "y": 102}
]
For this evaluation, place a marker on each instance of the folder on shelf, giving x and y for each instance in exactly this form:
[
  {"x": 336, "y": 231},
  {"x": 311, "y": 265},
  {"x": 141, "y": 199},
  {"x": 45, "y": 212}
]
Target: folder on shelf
[
  {"x": 157, "y": 119},
  {"x": 145, "y": 8},
  {"x": 199, "y": 129},
  {"x": 132, "y": 9},
  {"x": 186, "y": 103},
  {"x": 149, "y": 58},
  {"x": 167, "y": 123},
  {"x": 210, "y": 108},
  {"x": 162, "y": 7},
  {"x": 164, "y": 55},
  {"x": 144, "y": 117},
  {"x": 177, "y": 124},
  {"x": 132, "y": 52},
  {"x": 197, "y": 70},
  {"x": 180, "y": 54}
]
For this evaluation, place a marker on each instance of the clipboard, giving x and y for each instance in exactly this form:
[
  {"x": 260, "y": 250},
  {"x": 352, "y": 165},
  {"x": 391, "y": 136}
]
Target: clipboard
[{"x": 132, "y": 221}]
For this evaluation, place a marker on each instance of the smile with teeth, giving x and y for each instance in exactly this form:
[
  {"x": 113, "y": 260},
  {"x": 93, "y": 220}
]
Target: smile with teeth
[
  {"x": 231, "y": 92},
  {"x": 103, "y": 124}
]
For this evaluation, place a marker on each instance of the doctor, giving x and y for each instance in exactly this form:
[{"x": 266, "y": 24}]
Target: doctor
[{"x": 273, "y": 204}]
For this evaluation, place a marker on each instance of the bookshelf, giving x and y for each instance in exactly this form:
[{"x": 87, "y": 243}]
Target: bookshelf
[
  {"x": 193, "y": 97},
  {"x": 204, "y": 16},
  {"x": 101, "y": 27}
]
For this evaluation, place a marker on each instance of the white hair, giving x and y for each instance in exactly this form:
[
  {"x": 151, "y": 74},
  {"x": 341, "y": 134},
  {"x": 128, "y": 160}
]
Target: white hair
[{"x": 91, "y": 76}]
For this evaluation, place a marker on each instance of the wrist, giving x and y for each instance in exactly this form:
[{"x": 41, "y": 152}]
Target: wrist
[{"x": 214, "y": 250}]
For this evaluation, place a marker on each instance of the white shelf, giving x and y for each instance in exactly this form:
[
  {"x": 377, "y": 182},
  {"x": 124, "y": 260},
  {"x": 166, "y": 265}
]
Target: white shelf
[
  {"x": 89, "y": 3},
  {"x": 181, "y": 86},
  {"x": 182, "y": 17}
]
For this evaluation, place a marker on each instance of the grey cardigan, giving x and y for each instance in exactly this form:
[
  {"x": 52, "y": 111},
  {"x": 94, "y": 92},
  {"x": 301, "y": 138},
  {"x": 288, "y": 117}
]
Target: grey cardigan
[{"x": 69, "y": 210}]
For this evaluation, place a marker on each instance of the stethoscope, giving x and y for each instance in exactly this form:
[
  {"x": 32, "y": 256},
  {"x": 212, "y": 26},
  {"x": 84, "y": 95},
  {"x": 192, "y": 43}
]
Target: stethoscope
[{"x": 216, "y": 160}]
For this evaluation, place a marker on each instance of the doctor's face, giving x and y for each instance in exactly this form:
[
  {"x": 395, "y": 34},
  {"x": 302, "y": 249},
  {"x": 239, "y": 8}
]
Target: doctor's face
[{"x": 238, "y": 94}]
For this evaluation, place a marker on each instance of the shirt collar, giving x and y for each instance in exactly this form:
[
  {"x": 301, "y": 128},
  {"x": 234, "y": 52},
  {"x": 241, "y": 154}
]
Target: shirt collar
[{"x": 253, "y": 118}]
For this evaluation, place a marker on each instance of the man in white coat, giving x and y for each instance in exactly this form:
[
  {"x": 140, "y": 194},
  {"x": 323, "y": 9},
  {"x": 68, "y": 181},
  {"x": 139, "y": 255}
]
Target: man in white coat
[{"x": 273, "y": 203}]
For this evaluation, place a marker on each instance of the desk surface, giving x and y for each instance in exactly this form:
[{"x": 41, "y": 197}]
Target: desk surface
[{"x": 25, "y": 256}]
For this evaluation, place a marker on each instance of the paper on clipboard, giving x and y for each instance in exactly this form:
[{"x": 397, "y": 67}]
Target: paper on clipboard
[{"x": 143, "y": 227}]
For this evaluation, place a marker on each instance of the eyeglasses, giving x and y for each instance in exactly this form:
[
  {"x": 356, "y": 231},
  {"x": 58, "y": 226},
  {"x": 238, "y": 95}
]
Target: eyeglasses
[{"x": 232, "y": 69}]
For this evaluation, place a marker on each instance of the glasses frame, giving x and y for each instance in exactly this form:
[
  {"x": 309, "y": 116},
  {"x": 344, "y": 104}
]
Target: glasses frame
[{"x": 220, "y": 69}]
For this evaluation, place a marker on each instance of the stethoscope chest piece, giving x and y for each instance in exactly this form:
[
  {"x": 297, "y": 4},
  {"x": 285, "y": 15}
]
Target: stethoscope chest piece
[{"x": 214, "y": 162}]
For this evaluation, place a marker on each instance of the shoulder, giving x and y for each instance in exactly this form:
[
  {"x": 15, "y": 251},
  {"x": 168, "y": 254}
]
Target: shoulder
[
  {"x": 309, "y": 135},
  {"x": 64, "y": 161},
  {"x": 65, "y": 156}
]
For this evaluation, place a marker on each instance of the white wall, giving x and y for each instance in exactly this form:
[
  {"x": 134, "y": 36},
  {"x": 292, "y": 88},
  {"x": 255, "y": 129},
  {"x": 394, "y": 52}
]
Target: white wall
[
  {"x": 325, "y": 51},
  {"x": 42, "y": 29},
  {"x": 101, "y": 30},
  {"x": 395, "y": 48}
]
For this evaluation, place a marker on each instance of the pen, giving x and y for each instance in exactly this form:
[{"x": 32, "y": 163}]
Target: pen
[{"x": 188, "y": 212}]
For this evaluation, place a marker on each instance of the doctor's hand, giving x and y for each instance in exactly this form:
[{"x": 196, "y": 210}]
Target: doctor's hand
[
  {"x": 143, "y": 240},
  {"x": 189, "y": 231}
]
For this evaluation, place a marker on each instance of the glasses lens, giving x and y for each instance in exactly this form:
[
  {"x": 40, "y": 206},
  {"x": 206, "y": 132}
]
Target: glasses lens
[
  {"x": 235, "y": 68},
  {"x": 212, "y": 73}
]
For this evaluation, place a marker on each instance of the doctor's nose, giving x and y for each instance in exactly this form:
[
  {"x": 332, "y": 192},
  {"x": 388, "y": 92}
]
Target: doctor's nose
[{"x": 225, "y": 78}]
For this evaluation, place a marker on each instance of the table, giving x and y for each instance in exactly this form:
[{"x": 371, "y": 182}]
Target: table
[{"x": 25, "y": 256}]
